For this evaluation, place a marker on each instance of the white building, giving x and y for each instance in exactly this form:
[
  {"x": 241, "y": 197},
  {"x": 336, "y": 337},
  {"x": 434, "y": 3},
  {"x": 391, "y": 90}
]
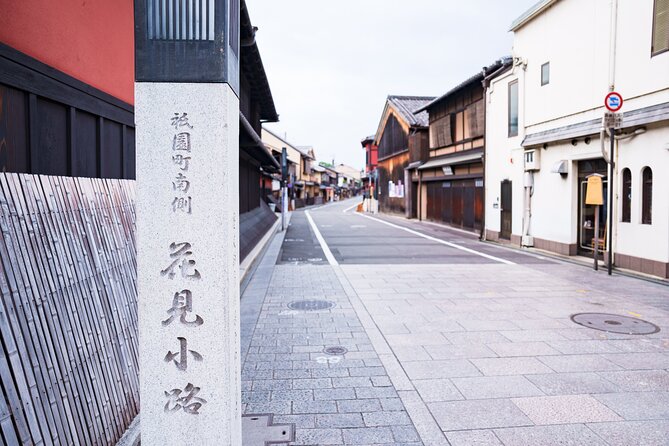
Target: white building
[{"x": 544, "y": 116}]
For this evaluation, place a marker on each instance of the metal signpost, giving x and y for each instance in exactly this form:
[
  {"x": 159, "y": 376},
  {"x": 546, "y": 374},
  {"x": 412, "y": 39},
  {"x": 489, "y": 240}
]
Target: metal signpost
[
  {"x": 284, "y": 187},
  {"x": 187, "y": 124},
  {"x": 612, "y": 121}
]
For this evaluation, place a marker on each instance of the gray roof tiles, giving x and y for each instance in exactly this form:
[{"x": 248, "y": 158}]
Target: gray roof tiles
[{"x": 406, "y": 105}]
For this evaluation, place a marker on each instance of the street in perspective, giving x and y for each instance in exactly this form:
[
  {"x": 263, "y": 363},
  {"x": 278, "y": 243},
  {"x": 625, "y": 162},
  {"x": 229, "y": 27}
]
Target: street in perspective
[{"x": 252, "y": 223}]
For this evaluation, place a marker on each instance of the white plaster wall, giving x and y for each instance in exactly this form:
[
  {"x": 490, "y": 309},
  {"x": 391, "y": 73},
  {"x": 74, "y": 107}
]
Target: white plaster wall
[
  {"x": 277, "y": 144},
  {"x": 504, "y": 155},
  {"x": 574, "y": 36},
  {"x": 634, "y": 238}
]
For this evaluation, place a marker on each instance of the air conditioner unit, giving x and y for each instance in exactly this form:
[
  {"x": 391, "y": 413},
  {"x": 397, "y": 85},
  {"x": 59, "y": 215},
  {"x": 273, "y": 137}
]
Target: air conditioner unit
[{"x": 532, "y": 159}]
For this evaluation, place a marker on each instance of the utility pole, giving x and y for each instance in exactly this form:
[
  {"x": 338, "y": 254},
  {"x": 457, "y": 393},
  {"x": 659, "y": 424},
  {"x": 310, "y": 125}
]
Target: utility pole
[{"x": 284, "y": 187}]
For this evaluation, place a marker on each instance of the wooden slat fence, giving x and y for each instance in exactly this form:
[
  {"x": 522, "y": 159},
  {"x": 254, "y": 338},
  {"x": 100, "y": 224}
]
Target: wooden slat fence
[{"x": 68, "y": 315}]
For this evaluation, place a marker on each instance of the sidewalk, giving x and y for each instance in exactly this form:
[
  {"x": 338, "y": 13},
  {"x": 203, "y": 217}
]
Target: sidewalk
[{"x": 332, "y": 399}]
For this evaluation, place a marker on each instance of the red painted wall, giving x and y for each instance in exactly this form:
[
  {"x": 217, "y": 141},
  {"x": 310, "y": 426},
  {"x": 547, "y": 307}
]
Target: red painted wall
[
  {"x": 372, "y": 156},
  {"x": 91, "y": 40}
]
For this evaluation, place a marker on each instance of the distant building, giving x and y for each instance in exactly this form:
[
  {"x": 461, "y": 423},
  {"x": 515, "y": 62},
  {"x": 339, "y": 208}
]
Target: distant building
[
  {"x": 544, "y": 121},
  {"x": 402, "y": 139},
  {"x": 371, "y": 154},
  {"x": 451, "y": 180}
]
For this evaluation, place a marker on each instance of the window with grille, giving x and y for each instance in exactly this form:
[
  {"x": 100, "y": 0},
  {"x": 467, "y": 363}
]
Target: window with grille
[
  {"x": 180, "y": 19},
  {"x": 647, "y": 196},
  {"x": 627, "y": 195},
  {"x": 660, "y": 42}
]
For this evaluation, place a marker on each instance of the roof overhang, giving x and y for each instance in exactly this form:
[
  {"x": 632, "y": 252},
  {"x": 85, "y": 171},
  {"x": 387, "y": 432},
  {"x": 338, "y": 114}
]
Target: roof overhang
[
  {"x": 531, "y": 13},
  {"x": 634, "y": 118},
  {"x": 453, "y": 159},
  {"x": 250, "y": 142}
]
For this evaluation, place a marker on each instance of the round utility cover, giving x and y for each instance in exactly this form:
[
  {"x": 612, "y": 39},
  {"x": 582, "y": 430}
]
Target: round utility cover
[
  {"x": 335, "y": 351},
  {"x": 614, "y": 323},
  {"x": 311, "y": 305}
]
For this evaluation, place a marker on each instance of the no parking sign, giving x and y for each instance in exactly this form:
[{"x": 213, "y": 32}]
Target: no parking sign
[{"x": 613, "y": 101}]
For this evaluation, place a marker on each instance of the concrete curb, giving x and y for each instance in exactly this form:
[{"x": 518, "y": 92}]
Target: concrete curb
[{"x": 131, "y": 437}]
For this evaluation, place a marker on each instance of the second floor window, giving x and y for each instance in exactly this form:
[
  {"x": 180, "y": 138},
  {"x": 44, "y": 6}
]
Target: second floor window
[
  {"x": 513, "y": 109},
  {"x": 660, "y": 42},
  {"x": 546, "y": 73}
]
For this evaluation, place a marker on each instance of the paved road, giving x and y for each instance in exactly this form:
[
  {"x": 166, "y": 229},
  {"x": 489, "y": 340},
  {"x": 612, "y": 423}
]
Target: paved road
[{"x": 449, "y": 341}]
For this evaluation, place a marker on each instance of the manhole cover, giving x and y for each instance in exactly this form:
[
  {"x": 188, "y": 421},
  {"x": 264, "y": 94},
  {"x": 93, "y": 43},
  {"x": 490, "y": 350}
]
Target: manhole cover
[
  {"x": 614, "y": 323},
  {"x": 311, "y": 305},
  {"x": 335, "y": 351}
]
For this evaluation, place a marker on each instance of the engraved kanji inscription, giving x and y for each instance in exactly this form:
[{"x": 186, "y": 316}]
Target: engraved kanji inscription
[
  {"x": 181, "y": 161},
  {"x": 181, "y": 183},
  {"x": 180, "y": 120},
  {"x": 184, "y": 399},
  {"x": 181, "y": 142},
  {"x": 182, "y": 305},
  {"x": 182, "y": 260},
  {"x": 182, "y": 204},
  {"x": 182, "y": 354}
]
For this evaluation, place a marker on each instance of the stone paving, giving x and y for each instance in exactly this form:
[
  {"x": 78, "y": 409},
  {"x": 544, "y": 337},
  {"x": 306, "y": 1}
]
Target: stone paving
[
  {"x": 494, "y": 356},
  {"x": 454, "y": 354},
  {"x": 346, "y": 399}
]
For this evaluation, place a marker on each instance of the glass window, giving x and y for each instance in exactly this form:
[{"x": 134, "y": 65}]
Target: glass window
[
  {"x": 647, "y": 196},
  {"x": 627, "y": 195},
  {"x": 513, "y": 109},
  {"x": 546, "y": 73},
  {"x": 660, "y": 42}
]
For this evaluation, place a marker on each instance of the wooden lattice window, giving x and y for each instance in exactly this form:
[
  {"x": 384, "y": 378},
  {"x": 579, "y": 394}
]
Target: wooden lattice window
[{"x": 647, "y": 196}]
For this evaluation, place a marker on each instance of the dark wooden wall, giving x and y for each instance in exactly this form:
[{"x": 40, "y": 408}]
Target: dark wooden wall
[
  {"x": 456, "y": 202},
  {"x": 53, "y": 124},
  {"x": 394, "y": 138}
]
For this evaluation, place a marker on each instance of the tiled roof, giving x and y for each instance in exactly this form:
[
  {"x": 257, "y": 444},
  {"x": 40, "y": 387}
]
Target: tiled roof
[
  {"x": 478, "y": 77},
  {"x": 406, "y": 105}
]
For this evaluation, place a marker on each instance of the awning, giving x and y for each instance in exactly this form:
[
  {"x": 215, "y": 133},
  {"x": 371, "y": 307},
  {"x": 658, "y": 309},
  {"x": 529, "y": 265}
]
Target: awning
[
  {"x": 252, "y": 144},
  {"x": 634, "y": 118},
  {"x": 413, "y": 165},
  {"x": 453, "y": 159}
]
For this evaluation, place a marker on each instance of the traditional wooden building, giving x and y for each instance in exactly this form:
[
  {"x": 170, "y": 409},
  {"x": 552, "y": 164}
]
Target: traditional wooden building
[
  {"x": 451, "y": 180},
  {"x": 402, "y": 139}
]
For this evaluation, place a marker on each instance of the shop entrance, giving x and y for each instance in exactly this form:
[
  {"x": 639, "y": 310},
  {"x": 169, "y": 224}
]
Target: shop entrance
[{"x": 586, "y": 213}]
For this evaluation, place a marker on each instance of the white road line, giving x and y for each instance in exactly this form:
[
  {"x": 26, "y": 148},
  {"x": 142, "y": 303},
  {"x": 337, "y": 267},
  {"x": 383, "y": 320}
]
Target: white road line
[
  {"x": 348, "y": 209},
  {"x": 324, "y": 246},
  {"x": 434, "y": 239}
]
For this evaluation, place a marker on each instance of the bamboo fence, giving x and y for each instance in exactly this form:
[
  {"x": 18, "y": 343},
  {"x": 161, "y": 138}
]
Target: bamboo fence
[{"x": 68, "y": 314}]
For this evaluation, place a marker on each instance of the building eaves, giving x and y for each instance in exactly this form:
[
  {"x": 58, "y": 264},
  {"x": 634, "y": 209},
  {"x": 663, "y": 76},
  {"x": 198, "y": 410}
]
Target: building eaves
[
  {"x": 478, "y": 77},
  {"x": 252, "y": 68},
  {"x": 634, "y": 118},
  {"x": 531, "y": 13},
  {"x": 405, "y": 106}
]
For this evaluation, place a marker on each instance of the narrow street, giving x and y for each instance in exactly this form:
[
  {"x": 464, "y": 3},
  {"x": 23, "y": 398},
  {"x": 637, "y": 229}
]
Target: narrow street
[{"x": 377, "y": 330}]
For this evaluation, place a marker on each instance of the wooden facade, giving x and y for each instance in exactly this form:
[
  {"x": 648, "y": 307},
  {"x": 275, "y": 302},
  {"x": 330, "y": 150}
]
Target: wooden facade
[
  {"x": 54, "y": 124},
  {"x": 402, "y": 138},
  {"x": 452, "y": 178}
]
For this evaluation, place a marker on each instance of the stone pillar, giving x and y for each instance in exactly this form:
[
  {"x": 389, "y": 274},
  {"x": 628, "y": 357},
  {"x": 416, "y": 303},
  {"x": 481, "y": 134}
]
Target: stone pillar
[
  {"x": 187, "y": 145},
  {"x": 188, "y": 263}
]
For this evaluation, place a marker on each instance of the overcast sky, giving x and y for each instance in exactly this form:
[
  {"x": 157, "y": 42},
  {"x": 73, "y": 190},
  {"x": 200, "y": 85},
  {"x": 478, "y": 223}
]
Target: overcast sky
[{"x": 331, "y": 64}]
